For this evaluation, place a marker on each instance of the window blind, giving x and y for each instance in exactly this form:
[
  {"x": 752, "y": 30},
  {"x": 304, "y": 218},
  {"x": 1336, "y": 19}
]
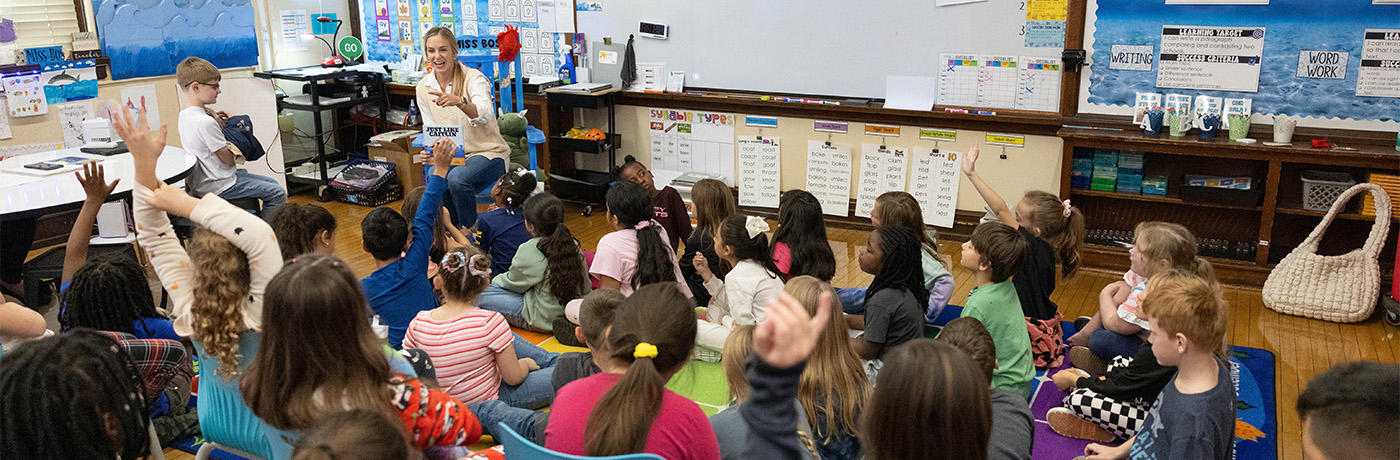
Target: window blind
[{"x": 42, "y": 22}]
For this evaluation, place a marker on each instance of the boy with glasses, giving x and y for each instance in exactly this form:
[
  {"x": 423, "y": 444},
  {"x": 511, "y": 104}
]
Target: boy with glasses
[{"x": 202, "y": 135}]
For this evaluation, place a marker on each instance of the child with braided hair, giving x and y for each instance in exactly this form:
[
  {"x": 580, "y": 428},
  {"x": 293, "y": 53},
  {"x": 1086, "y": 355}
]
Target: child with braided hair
[
  {"x": 501, "y": 231},
  {"x": 76, "y": 395},
  {"x": 218, "y": 279},
  {"x": 896, "y": 300},
  {"x": 740, "y": 299},
  {"x": 626, "y": 408}
]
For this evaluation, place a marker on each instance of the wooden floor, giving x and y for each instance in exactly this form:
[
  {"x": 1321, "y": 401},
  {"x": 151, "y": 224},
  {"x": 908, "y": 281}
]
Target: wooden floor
[{"x": 1304, "y": 347}]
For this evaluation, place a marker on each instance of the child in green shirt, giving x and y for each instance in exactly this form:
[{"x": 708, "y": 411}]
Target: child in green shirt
[{"x": 994, "y": 252}]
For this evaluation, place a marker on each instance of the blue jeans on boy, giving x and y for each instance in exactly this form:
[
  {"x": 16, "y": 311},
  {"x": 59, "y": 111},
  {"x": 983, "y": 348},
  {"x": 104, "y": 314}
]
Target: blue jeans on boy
[
  {"x": 249, "y": 185},
  {"x": 465, "y": 181},
  {"x": 537, "y": 391},
  {"x": 852, "y": 300},
  {"x": 507, "y": 303},
  {"x": 1107, "y": 344},
  {"x": 526, "y": 422}
]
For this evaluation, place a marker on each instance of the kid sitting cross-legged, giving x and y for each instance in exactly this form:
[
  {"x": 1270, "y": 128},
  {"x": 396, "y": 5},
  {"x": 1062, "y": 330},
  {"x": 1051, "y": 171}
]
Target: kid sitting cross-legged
[{"x": 994, "y": 252}]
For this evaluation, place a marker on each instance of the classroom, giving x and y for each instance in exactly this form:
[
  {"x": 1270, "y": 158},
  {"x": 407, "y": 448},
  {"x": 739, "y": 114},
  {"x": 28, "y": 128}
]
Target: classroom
[{"x": 730, "y": 229}]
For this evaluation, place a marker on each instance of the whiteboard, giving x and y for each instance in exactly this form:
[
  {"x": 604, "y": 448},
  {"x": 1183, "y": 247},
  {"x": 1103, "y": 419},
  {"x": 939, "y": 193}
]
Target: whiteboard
[{"x": 817, "y": 47}]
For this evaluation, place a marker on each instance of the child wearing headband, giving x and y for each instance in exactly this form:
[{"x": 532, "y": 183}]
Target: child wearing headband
[
  {"x": 477, "y": 356},
  {"x": 740, "y": 298}
]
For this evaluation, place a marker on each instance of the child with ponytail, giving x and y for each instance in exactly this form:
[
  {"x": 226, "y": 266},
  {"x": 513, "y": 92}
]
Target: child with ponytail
[
  {"x": 1054, "y": 231},
  {"x": 1117, "y": 328},
  {"x": 548, "y": 270},
  {"x": 740, "y": 299},
  {"x": 713, "y": 203},
  {"x": 627, "y": 409},
  {"x": 217, "y": 280},
  {"x": 502, "y": 230},
  {"x": 477, "y": 356},
  {"x": 635, "y": 254}
]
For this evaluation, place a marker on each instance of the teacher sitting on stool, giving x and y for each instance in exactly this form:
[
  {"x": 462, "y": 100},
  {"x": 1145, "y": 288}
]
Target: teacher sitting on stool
[{"x": 453, "y": 94}]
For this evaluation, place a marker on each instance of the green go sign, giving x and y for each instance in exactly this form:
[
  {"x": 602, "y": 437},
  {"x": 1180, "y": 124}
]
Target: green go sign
[{"x": 350, "y": 47}]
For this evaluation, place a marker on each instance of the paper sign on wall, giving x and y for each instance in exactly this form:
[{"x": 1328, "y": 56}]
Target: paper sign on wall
[
  {"x": 829, "y": 176},
  {"x": 1211, "y": 58},
  {"x": 25, "y": 94},
  {"x": 882, "y": 169},
  {"x": 1331, "y": 65},
  {"x": 1380, "y": 64},
  {"x": 294, "y": 23},
  {"x": 4, "y": 120},
  {"x": 757, "y": 172},
  {"x": 935, "y": 184},
  {"x": 1132, "y": 57},
  {"x": 70, "y": 119},
  {"x": 135, "y": 98}
]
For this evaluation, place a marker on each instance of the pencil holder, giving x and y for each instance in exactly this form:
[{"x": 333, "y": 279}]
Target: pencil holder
[
  {"x": 1209, "y": 123},
  {"x": 1177, "y": 123},
  {"x": 1152, "y": 122},
  {"x": 1239, "y": 126}
]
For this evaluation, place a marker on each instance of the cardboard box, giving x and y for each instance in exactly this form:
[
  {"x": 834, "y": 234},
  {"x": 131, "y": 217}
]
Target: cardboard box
[{"x": 394, "y": 147}]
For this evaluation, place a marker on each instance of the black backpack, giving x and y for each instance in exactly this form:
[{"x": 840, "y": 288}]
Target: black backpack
[{"x": 238, "y": 131}]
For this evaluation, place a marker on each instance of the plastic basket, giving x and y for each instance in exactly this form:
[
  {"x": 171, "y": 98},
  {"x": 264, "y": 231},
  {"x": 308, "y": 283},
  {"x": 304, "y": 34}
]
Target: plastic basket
[
  {"x": 342, "y": 182},
  {"x": 1321, "y": 188}
]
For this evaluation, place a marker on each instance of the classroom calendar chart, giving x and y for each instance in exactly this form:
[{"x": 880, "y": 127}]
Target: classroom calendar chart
[
  {"x": 934, "y": 184},
  {"x": 1039, "y": 85},
  {"x": 829, "y": 176},
  {"x": 957, "y": 79},
  {"x": 882, "y": 169},
  {"x": 687, "y": 141},
  {"x": 997, "y": 81},
  {"x": 757, "y": 171}
]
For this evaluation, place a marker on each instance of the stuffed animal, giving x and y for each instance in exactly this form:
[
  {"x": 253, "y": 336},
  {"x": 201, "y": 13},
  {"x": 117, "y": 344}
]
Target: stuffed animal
[
  {"x": 513, "y": 130},
  {"x": 508, "y": 41}
]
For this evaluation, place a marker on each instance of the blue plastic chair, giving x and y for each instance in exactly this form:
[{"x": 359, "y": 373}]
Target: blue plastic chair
[{"x": 519, "y": 448}]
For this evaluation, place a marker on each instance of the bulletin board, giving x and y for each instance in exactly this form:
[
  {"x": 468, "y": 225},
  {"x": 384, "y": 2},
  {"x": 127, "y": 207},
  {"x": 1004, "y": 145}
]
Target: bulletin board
[
  {"x": 1312, "y": 57},
  {"x": 146, "y": 39},
  {"x": 393, "y": 29}
]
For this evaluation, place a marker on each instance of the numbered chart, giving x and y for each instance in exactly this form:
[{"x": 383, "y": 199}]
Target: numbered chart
[
  {"x": 997, "y": 80},
  {"x": 757, "y": 172},
  {"x": 882, "y": 169},
  {"x": 935, "y": 184},
  {"x": 957, "y": 79},
  {"x": 829, "y": 176},
  {"x": 1039, "y": 87}
]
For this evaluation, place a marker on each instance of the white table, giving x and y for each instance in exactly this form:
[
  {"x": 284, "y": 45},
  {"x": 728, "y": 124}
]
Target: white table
[{"x": 27, "y": 197}]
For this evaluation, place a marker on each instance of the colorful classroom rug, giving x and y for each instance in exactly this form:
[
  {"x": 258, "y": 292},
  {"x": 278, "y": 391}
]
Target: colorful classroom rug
[{"x": 1256, "y": 429}]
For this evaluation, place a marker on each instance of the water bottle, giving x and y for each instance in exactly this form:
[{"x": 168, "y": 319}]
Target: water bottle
[{"x": 413, "y": 118}]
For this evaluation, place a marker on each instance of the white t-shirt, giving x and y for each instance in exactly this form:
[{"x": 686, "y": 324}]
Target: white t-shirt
[{"x": 201, "y": 136}]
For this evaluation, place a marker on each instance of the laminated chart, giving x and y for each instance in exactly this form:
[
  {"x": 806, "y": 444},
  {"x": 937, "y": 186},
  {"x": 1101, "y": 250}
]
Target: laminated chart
[
  {"x": 957, "y": 79},
  {"x": 882, "y": 169},
  {"x": 1380, "y": 64},
  {"x": 829, "y": 176},
  {"x": 758, "y": 174},
  {"x": 1039, "y": 85},
  {"x": 687, "y": 141},
  {"x": 997, "y": 81},
  {"x": 935, "y": 184}
]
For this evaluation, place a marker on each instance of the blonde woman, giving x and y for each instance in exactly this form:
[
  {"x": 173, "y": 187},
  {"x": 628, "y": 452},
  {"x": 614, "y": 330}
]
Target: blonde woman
[{"x": 453, "y": 94}]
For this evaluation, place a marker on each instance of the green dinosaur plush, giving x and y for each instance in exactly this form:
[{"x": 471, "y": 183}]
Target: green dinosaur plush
[{"x": 513, "y": 130}]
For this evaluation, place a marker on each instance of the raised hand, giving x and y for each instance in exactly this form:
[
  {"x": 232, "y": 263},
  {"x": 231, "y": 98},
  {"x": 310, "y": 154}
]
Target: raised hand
[
  {"x": 144, "y": 145},
  {"x": 172, "y": 199},
  {"x": 787, "y": 335},
  {"x": 446, "y": 100},
  {"x": 969, "y": 160},
  {"x": 443, "y": 150},
  {"x": 702, "y": 266},
  {"x": 94, "y": 181}
]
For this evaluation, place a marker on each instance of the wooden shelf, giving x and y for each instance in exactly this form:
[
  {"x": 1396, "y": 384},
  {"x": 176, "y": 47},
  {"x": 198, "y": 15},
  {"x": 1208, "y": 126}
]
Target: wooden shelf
[
  {"x": 1343, "y": 216},
  {"x": 1160, "y": 199},
  {"x": 1366, "y": 156}
]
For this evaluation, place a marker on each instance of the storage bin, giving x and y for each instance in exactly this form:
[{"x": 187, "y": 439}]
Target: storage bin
[{"x": 1321, "y": 188}]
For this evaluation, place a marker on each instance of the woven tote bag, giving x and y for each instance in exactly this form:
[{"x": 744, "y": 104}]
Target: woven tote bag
[{"x": 1341, "y": 288}]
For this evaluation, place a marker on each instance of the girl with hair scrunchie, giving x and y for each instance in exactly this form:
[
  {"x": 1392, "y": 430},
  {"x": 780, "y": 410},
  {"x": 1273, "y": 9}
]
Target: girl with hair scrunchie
[{"x": 740, "y": 299}]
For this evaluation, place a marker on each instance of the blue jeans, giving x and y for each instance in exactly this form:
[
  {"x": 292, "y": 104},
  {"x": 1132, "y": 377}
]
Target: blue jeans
[
  {"x": 507, "y": 303},
  {"x": 537, "y": 391},
  {"x": 249, "y": 185},
  {"x": 465, "y": 181},
  {"x": 1106, "y": 344},
  {"x": 526, "y": 422}
]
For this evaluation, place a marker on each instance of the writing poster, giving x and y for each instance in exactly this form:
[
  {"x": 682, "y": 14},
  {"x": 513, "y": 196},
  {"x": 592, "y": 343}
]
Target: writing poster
[
  {"x": 688, "y": 141},
  {"x": 882, "y": 169},
  {"x": 70, "y": 119},
  {"x": 1044, "y": 34},
  {"x": 1211, "y": 58},
  {"x": 935, "y": 184},
  {"x": 1380, "y": 64},
  {"x": 757, "y": 171},
  {"x": 829, "y": 176}
]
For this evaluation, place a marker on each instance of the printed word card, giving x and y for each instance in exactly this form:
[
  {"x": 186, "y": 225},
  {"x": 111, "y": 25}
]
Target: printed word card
[
  {"x": 686, "y": 141},
  {"x": 829, "y": 176},
  {"x": 882, "y": 169},
  {"x": 935, "y": 184},
  {"x": 757, "y": 172}
]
